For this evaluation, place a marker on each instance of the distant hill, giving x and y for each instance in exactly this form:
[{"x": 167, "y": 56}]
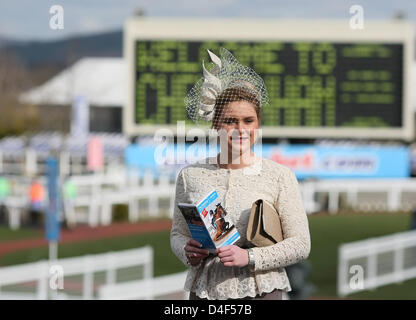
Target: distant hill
[
  {"x": 62, "y": 53},
  {"x": 5, "y": 42}
]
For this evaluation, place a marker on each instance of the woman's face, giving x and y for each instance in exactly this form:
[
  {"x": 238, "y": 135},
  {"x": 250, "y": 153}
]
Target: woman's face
[{"x": 240, "y": 123}]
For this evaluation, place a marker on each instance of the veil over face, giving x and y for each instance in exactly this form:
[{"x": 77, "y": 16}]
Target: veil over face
[{"x": 238, "y": 128}]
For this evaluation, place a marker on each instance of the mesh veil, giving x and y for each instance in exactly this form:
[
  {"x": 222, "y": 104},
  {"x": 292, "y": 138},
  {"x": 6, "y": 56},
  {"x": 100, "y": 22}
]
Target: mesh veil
[{"x": 227, "y": 81}]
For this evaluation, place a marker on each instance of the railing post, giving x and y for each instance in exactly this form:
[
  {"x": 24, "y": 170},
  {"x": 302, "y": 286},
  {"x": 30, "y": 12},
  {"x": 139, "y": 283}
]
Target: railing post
[
  {"x": 153, "y": 205},
  {"x": 30, "y": 162},
  {"x": 333, "y": 201},
  {"x": 69, "y": 210},
  {"x": 148, "y": 271},
  {"x": 88, "y": 280},
  {"x": 148, "y": 267},
  {"x": 352, "y": 198},
  {"x": 393, "y": 198},
  {"x": 342, "y": 273},
  {"x": 14, "y": 218},
  {"x": 308, "y": 199},
  {"x": 64, "y": 164},
  {"x": 42, "y": 287},
  {"x": 372, "y": 269},
  {"x": 398, "y": 263},
  {"x": 106, "y": 212},
  {"x": 111, "y": 270},
  {"x": 93, "y": 214},
  {"x": 133, "y": 209}
]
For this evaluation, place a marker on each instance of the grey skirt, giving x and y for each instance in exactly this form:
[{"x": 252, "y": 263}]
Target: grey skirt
[{"x": 276, "y": 294}]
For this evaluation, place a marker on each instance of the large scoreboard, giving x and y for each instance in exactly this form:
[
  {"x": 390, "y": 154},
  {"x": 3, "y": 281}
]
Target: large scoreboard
[{"x": 323, "y": 78}]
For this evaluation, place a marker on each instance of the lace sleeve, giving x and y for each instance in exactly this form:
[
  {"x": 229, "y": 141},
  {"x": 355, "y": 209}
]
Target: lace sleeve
[
  {"x": 179, "y": 234},
  {"x": 296, "y": 244}
]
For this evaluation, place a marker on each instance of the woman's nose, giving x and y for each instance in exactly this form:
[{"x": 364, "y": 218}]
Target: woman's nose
[{"x": 242, "y": 128}]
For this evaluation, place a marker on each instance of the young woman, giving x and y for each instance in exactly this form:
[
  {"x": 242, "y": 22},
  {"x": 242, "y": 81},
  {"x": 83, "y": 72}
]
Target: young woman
[{"x": 238, "y": 271}]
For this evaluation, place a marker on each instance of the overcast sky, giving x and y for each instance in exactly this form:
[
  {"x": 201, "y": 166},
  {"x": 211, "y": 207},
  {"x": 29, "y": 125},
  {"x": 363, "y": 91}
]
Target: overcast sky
[{"x": 29, "y": 19}]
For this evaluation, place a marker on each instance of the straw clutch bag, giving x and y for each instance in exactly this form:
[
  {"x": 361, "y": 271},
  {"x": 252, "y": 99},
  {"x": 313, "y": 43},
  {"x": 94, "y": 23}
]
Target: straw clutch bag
[{"x": 264, "y": 228}]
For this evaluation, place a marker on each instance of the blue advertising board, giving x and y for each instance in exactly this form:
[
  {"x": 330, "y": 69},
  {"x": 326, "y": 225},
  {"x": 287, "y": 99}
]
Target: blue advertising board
[
  {"x": 306, "y": 161},
  {"x": 323, "y": 162},
  {"x": 52, "y": 225}
]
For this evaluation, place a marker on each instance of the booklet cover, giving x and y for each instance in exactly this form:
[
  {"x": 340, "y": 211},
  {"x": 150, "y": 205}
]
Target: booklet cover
[{"x": 209, "y": 223}]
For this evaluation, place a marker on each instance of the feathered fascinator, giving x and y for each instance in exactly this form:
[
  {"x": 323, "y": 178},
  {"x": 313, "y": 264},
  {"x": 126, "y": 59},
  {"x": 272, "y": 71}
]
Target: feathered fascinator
[{"x": 226, "y": 81}]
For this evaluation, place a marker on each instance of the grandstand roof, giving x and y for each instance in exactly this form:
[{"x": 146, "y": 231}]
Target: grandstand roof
[{"x": 101, "y": 80}]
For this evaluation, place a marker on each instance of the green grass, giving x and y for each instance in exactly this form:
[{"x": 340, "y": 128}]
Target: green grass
[
  {"x": 164, "y": 260},
  {"x": 327, "y": 233},
  {"x": 401, "y": 291},
  {"x": 6, "y": 234}
]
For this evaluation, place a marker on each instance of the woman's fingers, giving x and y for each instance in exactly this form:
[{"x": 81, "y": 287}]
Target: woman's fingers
[
  {"x": 192, "y": 249},
  {"x": 193, "y": 242},
  {"x": 227, "y": 259},
  {"x": 195, "y": 258},
  {"x": 232, "y": 256},
  {"x": 194, "y": 246},
  {"x": 197, "y": 255},
  {"x": 227, "y": 253},
  {"x": 194, "y": 252}
]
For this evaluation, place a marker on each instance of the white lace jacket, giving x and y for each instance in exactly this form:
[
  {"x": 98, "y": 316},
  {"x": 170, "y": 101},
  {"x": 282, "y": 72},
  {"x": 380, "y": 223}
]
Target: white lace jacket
[{"x": 238, "y": 189}]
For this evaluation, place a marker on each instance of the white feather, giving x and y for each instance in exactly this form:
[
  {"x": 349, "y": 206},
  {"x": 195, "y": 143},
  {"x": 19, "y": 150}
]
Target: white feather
[
  {"x": 206, "y": 107},
  {"x": 216, "y": 60},
  {"x": 208, "y": 92},
  {"x": 210, "y": 79}
]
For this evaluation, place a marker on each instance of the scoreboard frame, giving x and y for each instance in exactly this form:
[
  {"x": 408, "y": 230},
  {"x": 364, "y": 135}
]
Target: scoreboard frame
[{"x": 257, "y": 30}]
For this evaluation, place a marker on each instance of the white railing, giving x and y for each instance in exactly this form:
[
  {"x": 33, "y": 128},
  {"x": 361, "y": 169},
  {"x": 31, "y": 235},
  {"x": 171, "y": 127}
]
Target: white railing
[
  {"x": 368, "y": 264},
  {"x": 27, "y": 155},
  {"x": 96, "y": 196},
  {"x": 81, "y": 276},
  {"x": 15, "y": 207},
  {"x": 147, "y": 289},
  {"x": 361, "y": 194},
  {"x": 98, "y": 193}
]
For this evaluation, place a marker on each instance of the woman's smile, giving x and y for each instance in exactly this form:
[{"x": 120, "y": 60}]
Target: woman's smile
[{"x": 240, "y": 140}]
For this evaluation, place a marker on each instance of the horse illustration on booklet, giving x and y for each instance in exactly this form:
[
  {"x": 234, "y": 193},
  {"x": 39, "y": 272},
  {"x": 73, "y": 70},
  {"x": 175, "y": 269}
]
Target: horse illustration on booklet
[{"x": 219, "y": 223}]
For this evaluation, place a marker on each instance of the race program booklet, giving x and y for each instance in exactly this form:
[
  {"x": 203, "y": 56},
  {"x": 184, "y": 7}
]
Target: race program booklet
[{"x": 209, "y": 222}]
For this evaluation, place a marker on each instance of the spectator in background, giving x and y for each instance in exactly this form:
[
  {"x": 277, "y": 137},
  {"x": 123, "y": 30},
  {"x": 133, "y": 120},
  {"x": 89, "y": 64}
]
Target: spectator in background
[
  {"x": 37, "y": 198},
  {"x": 69, "y": 195},
  {"x": 4, "y": 192}
]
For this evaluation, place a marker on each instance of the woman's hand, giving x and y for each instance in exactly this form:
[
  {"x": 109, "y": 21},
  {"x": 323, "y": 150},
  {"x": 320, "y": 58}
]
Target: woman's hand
[
  {"x": 194, "y": 252},
  {"x": 233, "y": 256}
]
